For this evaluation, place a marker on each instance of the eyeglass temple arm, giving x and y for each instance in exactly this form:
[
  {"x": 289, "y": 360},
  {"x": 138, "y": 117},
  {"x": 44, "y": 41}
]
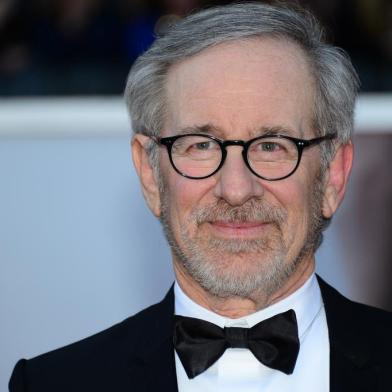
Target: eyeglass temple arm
[{"x": 320, "y": 139}]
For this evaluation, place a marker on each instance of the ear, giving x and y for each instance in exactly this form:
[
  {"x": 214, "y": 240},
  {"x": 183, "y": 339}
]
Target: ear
[
  {"x": 337, "y": 178},
  {"x": 145, "y": 172}
]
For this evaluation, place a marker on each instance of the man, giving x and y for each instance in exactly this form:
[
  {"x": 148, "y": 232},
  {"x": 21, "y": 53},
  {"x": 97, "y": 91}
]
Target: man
[{"x": 242, "y": 118}]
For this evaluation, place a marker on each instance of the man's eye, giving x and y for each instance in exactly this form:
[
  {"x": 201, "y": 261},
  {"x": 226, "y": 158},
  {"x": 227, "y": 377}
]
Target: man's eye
[
  {"x": 269, "y": 147},
  {"x": 265, "y": 150},
  {"x": 203, "y": 146}
]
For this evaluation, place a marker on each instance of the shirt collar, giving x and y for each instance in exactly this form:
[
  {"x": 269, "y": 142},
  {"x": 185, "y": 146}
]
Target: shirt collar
[{"x": 306, "y": 302}]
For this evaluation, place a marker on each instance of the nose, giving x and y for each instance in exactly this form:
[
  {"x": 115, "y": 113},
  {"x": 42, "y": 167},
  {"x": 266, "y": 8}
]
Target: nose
[{"x": 236, "y": 184}]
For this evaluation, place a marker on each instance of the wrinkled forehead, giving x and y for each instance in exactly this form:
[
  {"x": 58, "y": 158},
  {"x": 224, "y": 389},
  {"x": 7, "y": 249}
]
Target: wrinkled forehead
[{"x": 240, "y": 83}]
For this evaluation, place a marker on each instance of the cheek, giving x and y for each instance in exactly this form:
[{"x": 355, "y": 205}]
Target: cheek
[
  {"x": 294, "y": 197},
  {"x": 304, "y": 221},
  {"x": 183, "y": 196}
]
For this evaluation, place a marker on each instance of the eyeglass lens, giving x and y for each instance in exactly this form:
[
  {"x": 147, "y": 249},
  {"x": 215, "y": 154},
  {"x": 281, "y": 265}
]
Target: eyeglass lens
[{"x": 199, "y": 156}]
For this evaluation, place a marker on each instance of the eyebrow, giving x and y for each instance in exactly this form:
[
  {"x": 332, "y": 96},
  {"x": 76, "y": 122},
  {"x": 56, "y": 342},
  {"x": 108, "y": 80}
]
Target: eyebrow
[
  {"x": 277, "y": 130},
  {"x": 210, "y": 129},
  {"x": 207, "y": 129}
]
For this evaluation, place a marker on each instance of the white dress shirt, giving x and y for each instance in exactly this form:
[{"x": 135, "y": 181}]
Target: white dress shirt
[{"x": 238, "y": 369}]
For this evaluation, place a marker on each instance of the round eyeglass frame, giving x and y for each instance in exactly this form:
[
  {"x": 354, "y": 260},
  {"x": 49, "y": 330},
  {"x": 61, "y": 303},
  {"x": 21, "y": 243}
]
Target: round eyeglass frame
[{"x": 301, "y": 144}]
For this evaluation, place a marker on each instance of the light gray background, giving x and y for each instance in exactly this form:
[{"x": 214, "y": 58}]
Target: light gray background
[{"x": 79, "y": 251}]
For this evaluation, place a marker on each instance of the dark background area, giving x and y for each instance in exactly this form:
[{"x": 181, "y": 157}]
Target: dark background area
[{"x": 86, "y": 47}]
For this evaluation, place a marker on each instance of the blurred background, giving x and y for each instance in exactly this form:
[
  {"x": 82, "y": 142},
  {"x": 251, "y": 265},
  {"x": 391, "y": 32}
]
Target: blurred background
[
  {"x": 75, "y": 234},
  {"x": 87, "y": 46}
]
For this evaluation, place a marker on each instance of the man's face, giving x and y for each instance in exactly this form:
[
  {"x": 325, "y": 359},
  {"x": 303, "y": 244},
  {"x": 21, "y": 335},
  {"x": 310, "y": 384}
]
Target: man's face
[{"x": 234, "y": 233}]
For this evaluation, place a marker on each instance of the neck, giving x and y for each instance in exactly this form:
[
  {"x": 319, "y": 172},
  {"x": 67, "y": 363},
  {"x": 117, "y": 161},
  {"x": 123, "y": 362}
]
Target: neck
[{"x": 236, "y": 307}]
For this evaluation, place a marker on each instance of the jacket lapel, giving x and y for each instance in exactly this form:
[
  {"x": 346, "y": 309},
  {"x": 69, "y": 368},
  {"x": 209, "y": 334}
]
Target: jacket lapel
[
  {"x": 351, "y": 368},
  {"x": 154, "y": 363}
]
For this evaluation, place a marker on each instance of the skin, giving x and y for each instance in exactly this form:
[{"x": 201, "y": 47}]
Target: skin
[{"x": 239, "y": 88}]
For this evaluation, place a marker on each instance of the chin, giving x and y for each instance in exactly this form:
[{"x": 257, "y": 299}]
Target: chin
[{"x": 241, "y": 274}]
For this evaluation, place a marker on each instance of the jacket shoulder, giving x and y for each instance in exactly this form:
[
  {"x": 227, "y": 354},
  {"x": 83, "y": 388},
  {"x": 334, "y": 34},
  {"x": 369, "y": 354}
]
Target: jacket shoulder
[
  {"x": 360, "y": 343},
  {"x": 98, "y": 362},
  {"x": 357, "y": 326},
  {"x": 339, "y": 307}
]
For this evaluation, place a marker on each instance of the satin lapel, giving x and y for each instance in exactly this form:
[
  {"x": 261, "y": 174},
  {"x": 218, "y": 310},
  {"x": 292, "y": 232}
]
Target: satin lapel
[
  {"x": 351, "y": 368},
  {"x": 155, "y": 363}
]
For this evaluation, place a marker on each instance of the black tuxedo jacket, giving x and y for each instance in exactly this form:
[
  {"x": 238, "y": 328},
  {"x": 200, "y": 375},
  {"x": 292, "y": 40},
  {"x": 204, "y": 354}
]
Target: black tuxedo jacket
[{"x": 138, "y": 354}]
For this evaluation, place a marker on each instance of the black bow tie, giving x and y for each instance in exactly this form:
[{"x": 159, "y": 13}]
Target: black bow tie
[{"x": 274, "y": 342}]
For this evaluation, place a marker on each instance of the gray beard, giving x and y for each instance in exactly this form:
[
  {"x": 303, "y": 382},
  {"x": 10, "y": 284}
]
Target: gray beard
[{"x": 240, "y": 268}]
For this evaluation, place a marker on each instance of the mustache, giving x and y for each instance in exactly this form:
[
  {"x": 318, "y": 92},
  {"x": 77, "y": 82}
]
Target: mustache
[{"x": 254, "y": 210}]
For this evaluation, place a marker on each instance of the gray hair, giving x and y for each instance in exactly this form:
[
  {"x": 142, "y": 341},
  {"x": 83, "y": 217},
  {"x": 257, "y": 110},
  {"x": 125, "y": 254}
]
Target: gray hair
[{"x": 336, "y": 82}]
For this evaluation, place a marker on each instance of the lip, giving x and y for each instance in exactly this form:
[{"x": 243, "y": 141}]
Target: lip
[{"x": 239, "y": 229}]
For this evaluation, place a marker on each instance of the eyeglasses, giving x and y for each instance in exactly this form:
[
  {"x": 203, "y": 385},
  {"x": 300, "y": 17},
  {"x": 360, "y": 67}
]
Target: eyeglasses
[{"x": 271, "y": 158}]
